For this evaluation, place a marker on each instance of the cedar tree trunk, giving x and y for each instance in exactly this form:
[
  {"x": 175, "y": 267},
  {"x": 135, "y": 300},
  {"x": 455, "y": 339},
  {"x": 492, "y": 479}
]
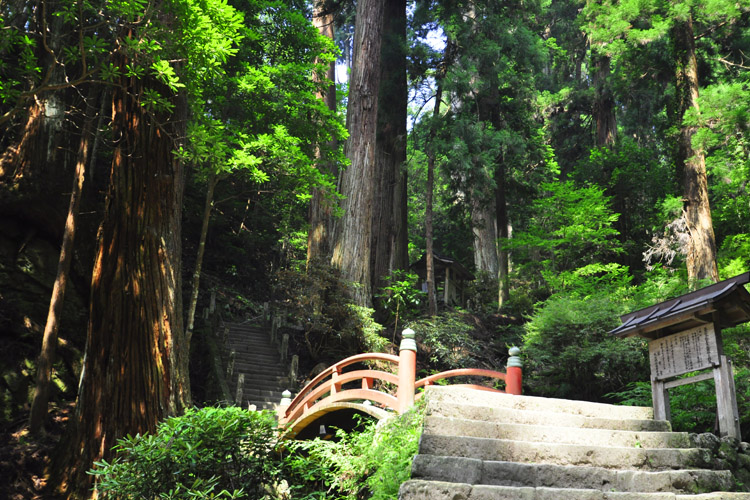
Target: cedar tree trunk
[
  {"x": 135, "y": 366},
  {"x": 351, "y": 252},
  {"x": 321, "y": 205},
  {"x": 701, "y": 256},
  {"x": 389, "y": 224}
]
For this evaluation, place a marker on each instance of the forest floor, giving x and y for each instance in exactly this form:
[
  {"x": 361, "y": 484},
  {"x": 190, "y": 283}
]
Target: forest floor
[{"x": 23, "y": 460}]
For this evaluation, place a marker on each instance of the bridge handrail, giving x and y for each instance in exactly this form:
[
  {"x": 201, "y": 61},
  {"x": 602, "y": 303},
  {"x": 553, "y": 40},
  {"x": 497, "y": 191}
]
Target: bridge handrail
[
  {"x": 459, "y": 372},
  {"x": 326, "y": 387},
  {"x": 312, "y": 390}
]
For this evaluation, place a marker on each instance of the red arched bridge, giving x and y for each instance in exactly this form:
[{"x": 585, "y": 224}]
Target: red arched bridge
[{"x": 336, "y": 388}]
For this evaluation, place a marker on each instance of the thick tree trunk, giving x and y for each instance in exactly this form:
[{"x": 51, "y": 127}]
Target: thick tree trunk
[
  {"x": 389, "y": 235},
  {"x": 46, "y": 359},
  {"x": 212, "y": 181},
  {"x": 503, "y": 259},
  {"x": 351, "y": 252},
  {"x": 485, "y": 236},
  {"x": 701, "y": 257},
  {"x": 134, "y": 371},
  {"x": 604, "y": 107},
  {"x": 321, "y": 204}
]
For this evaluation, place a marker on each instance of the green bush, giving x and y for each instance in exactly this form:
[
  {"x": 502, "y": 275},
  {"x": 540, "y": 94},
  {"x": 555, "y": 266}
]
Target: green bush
[
  {"x": 333, "y": 327},
  {"x": 447, "y": 341},
  {"x": 206, "y": 453},
  {"x": 569, "y": 353},
  {"x": 693, "y": 406}
]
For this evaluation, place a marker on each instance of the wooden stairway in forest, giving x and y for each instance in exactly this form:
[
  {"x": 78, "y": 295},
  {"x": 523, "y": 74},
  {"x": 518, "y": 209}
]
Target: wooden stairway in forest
[
  {"x": 257, "y": 367},
  {"x": 487, "y": 446}
]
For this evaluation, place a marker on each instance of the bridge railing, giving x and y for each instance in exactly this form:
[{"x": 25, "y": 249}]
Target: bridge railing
[{"x": 328, "y": 386}]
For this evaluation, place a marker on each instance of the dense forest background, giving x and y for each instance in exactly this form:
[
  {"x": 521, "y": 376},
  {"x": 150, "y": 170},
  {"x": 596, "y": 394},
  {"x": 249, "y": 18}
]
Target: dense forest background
[{"x": 579, "y": 159}]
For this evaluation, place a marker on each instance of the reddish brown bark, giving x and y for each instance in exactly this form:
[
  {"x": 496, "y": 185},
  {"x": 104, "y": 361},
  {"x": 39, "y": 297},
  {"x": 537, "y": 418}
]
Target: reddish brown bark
[
  {"x": 134, "y": 372},
  {"x": 701, "y": 256}
]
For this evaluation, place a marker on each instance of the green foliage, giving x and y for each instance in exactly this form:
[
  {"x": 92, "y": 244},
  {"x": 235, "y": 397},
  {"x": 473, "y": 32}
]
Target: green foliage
[
  {"x": 401, "y": 298},
  {"x": 569, "y": 237},
  {"x": 447, "y": 341},
  {"x": 569, "y": 353},
  {"x": 481, "y": 294},
  {"x": 734, "y": 255},
  {"x": 333, "y": 326},
  {"x": 692, "y": 406},
  {"x": 368, "y": 464},
  {"x": 206, "y": 453}
]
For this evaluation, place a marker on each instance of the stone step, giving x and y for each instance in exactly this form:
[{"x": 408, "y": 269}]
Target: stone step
[
  {"x": 464, "y": 395},
  {"x": 257, "y": 362},
  {"x": 250, "y": 345},
  {"x": 499, "y": 473},
  {"x": 437, "y": 490},
  {"x": 259, "y": 370},
  {"x": 255, "y": 386},
  {"x": 539, "y": 417},
  {"x": 448, "y": 426},
  {"x": 257, "y": 381},
  {"x": 265, "y": 345},
  {"x": 252, "y": 339},
  {"x": 262, "y": 399},
  {"x": 262, "y": 392},
  {"x": 565, "y": 454}
]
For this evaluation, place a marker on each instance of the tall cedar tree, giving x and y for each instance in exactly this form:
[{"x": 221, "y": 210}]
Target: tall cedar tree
[
  {"x": 321, "y": 206},
  {"x": 389, "y": 225},
  {"x": 352, "y": 250},
  {"x": 691, "y": 162},
  {"x": 135, "y": 367}
]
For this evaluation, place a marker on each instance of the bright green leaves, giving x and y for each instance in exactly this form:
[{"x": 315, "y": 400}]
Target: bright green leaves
[
  {"x": 571, "y": 234},
  {"x": 18, "y": 62},
  {"x": 166, "y": 74}
]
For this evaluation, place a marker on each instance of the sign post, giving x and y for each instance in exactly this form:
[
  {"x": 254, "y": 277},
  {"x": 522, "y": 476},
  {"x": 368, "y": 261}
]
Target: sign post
[
  {"x": 684, "y": 335},
  {"x": 693, "y": 350}
]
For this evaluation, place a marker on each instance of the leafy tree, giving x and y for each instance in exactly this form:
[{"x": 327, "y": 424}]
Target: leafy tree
[
  {"x": 135, "y": 370},
  {"x": 261, "y": 118},
  {"x": 622, "y": 26},
  {"x": 570, "y": 236},
  {"x": 569, "y": 353}
]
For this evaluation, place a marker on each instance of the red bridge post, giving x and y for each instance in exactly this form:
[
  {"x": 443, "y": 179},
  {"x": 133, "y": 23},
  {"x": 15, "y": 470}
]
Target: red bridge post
[
  {"x": 513, "y": 372},
  {"x": 407, "y": 370}
]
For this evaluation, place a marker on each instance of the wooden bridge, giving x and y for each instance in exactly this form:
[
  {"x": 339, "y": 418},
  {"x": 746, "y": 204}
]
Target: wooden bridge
[{"x": 337, "y": 388}]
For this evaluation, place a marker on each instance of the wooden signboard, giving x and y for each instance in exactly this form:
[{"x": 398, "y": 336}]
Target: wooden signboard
[
  {"x": 684, "y": 352},
  {"x": 688, "y": 351}
]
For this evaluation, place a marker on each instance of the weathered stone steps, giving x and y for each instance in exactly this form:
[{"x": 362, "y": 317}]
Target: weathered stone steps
[
  {"x": 501, "y": 473},
  {"x": 478, "y": 445},
  {"x": 437, "y": 490},
  {"x": 260, "y": 365}
]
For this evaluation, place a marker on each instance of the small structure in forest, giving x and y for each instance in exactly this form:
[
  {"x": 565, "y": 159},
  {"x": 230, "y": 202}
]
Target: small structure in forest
[
  {"x": 450, "y": 278},
  {"x": 684, "y": 336}
]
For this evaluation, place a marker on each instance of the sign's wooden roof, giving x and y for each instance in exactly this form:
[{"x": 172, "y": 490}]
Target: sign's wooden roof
[{"x": 728, "y": 298}]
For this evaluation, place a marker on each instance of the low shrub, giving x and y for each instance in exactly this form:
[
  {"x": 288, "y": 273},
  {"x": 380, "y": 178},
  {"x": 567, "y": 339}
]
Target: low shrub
[{"x": 206, "y": 453}]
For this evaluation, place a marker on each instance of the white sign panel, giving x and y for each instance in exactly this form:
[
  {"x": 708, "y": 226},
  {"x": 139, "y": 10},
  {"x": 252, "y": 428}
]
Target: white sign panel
[{"x": 688, "y": 351}]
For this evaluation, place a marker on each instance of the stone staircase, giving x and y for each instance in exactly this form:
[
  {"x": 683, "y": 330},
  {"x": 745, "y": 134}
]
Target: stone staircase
[
  {"x": 478, "y": 445},
  {"x": 258, "y": 364}
]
